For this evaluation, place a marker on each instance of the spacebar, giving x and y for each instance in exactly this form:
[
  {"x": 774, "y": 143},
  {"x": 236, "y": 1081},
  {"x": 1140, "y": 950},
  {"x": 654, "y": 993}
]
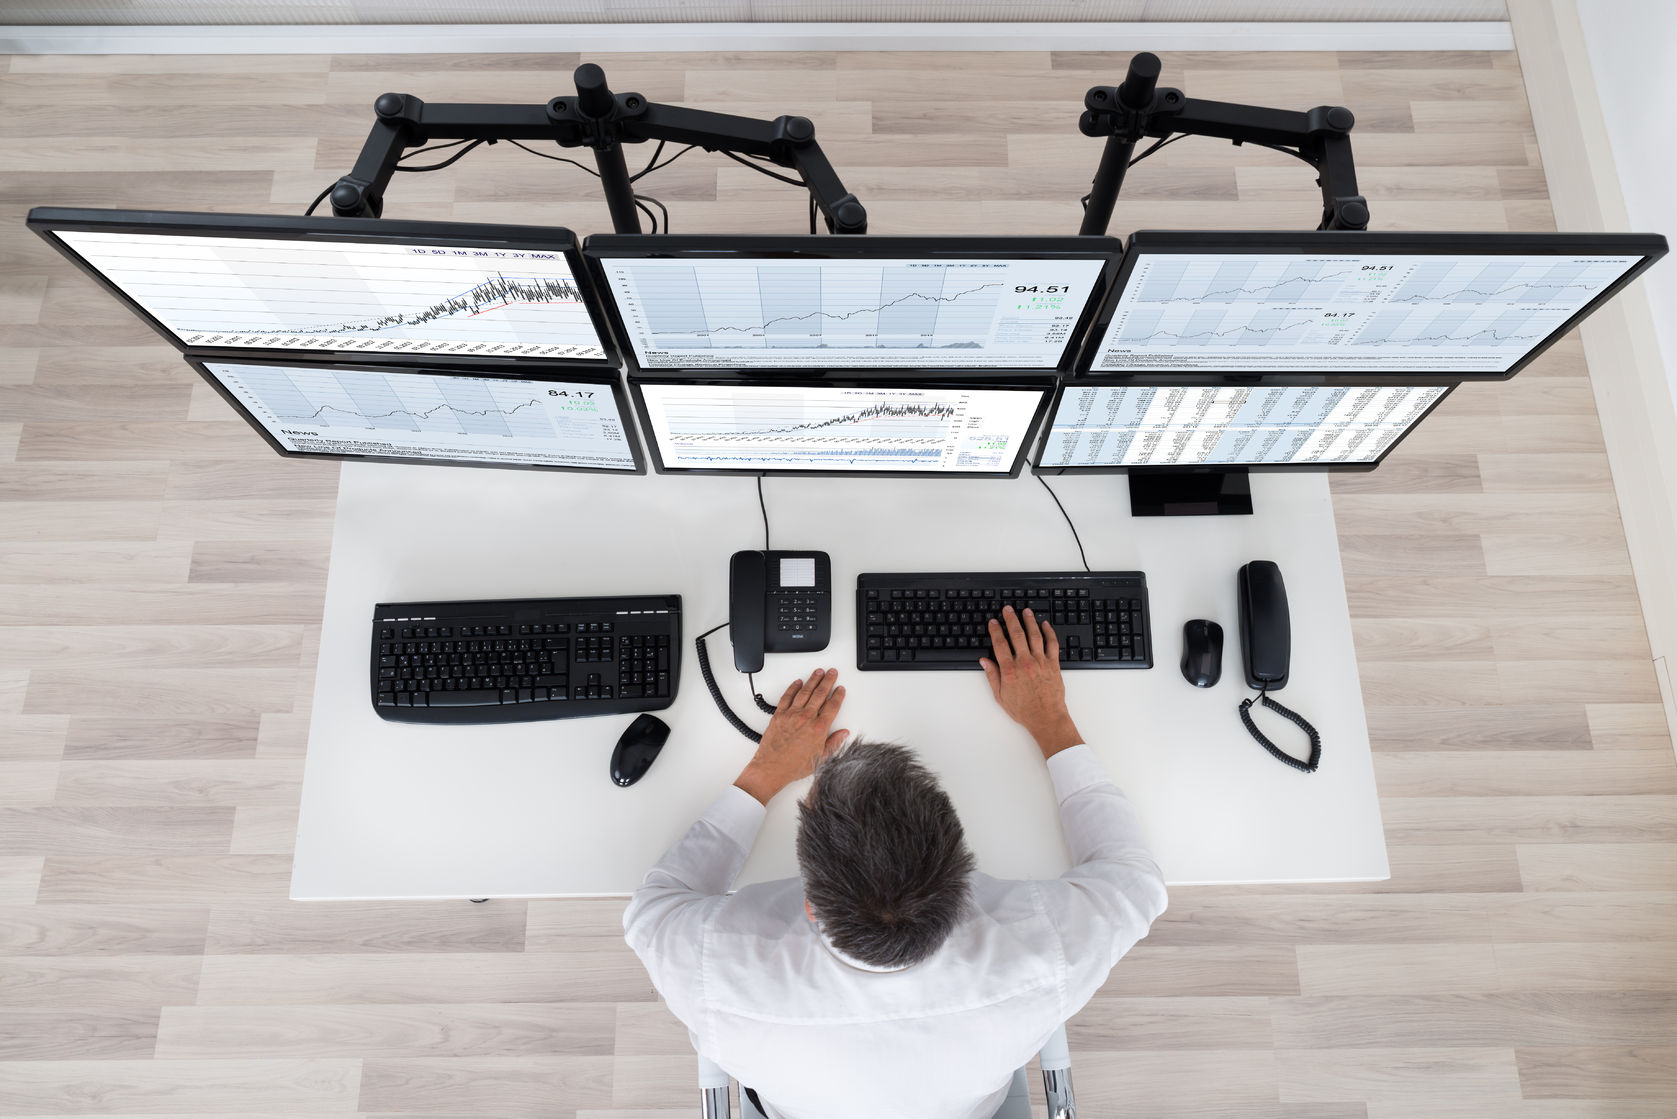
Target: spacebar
[
  {"x": 968, "y": 655},
  {"x": 483, "y": 697}
]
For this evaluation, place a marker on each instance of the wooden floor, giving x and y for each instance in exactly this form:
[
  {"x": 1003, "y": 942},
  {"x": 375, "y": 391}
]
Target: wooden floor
[{"x": 161, "y": 579}]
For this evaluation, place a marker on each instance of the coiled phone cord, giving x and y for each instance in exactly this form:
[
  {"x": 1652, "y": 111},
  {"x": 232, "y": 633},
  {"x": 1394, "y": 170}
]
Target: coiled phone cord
[
  {"x": 734, "y": 720},
  {"x": 1292, "y": 716}
]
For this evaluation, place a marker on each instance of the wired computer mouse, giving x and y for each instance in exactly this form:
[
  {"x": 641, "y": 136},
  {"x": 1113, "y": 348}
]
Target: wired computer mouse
[
  {"x": 1202, "y": 653},
  {"x": 638, "y": 749}
]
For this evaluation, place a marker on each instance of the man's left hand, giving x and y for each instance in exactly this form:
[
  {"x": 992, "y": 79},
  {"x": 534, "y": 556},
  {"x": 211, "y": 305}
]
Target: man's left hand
[{"x": 798, "y": 737}]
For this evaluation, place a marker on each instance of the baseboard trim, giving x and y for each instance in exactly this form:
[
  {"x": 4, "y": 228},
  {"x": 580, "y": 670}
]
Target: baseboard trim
[
  {"x": 1627, "y": 372},
  {"x": 701, "y": 37}
]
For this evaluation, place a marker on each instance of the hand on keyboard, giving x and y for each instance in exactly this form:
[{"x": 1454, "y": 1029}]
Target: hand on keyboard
[{"x": 1025, "y": 679}]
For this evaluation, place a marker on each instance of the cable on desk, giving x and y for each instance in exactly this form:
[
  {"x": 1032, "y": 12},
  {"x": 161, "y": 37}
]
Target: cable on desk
[
  {"x": 734, "y": 720},
  {"x": 1067, "y": 516},
  {"x": 765, "y": 510},
  {"x": 1290, "y": 715},
  {"x": 762, "y": 704}
]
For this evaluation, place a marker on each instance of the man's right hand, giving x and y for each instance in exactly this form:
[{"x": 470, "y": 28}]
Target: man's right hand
[{"x": 1025, "y": 679}]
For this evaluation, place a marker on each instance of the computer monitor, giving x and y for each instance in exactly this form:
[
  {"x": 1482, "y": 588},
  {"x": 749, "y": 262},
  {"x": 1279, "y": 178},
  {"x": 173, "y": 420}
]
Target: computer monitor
[
  {"x": 1188, "y": 445},
  {"x": 357, "y": 288},
  {"x": 799, "y": 425},
  {"x": 554, "y": 419},
  {"x": 1444, "y": 307},
  {"x": 1144, "y": 423},
  {"x": 879, "y": 305}
]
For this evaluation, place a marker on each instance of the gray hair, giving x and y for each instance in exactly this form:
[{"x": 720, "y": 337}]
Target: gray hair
[{"x": 884, "y": 862}]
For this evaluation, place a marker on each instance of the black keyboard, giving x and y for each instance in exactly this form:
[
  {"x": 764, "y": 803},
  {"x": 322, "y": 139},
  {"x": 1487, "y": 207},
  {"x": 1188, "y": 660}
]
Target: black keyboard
[
  {"x": 933, "y": 621},
  {"x": 517, "y": 660}
]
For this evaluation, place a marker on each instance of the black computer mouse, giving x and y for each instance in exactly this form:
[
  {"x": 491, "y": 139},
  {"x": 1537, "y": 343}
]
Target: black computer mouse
[
  {"x": 1202, "y": 653},
  {"x": 638, "y": 749}
]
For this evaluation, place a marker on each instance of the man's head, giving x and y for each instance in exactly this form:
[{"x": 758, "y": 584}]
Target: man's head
[{"x": 884, "y": 863}]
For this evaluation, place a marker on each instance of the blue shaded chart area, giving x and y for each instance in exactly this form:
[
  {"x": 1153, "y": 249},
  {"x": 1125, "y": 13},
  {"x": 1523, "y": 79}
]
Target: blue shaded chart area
[
  {"x": 417, "y": 415},
  {"x": 1386, "y": 313},
  {"x": 762, "y": 313}
]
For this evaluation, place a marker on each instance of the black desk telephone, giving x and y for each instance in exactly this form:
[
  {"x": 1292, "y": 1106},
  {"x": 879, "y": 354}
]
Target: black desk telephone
[
  {"x": 1266, "y": 648},
  {"x": 778, "y": 602}
]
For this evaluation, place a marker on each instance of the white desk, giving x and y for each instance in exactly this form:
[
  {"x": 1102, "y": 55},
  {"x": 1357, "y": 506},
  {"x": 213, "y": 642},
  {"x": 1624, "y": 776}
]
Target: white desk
[{"x": 392, "y": 810}]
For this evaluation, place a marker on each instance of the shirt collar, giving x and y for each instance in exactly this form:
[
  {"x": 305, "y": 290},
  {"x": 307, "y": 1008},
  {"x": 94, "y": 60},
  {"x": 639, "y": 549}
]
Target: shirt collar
[{"x": 852, "y": 961}]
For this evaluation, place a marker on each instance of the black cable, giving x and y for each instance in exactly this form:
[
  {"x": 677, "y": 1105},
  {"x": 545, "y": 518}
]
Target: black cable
[
  {"x": 764, "y": 507},
  {"x": 1278, "y": 148},
  {"x": 318, "y": 199},
  {"x": 639, "y": 198},
  {"x": 1163, "y": 141},
  {"x": 455, "y": 158},
  {"x": 555, "y": 158},
  {"x": 435, "y": 148},
  {"x": 812, "y": 213},
  {"x": 650, "y": 216},
  {"x": 1067, "y": 516},
  {"x": 762, "y": 704},
  {"x": 653, "y": 164},
  {"x": 1292, "y": 716},
  {"x": 761, "y": 170},
  {"x": 734, "y": 720}
]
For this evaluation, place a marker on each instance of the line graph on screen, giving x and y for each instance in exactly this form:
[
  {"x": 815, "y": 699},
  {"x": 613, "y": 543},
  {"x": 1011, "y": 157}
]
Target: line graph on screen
[{"x": 256, "y": 293}]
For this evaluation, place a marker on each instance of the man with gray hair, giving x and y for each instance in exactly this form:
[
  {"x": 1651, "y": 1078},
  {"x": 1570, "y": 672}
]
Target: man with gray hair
[{"x": 892, "y": 978}]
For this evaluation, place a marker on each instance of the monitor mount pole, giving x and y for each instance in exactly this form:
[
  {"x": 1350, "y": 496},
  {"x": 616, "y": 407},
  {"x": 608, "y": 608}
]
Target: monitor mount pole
[
  {"x": 599, "y": 119},
  {"x": 1137, "y": 108}
]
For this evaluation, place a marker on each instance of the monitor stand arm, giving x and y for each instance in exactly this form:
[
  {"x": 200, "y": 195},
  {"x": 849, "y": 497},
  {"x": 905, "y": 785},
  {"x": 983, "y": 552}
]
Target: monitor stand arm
[
  {"x": 1137, "y": 108},
  {"x": 599, "y": 119}
]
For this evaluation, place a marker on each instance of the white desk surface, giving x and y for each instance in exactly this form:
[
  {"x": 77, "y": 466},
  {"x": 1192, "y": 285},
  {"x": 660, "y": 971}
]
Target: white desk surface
[{"x": 392, "y": 810}]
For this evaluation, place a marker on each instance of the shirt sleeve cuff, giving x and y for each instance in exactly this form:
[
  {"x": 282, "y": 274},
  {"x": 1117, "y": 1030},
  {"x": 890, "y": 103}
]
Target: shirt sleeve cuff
[
  {"x": 1075, "y": 769},
  {"x": 737, "y": 815}
]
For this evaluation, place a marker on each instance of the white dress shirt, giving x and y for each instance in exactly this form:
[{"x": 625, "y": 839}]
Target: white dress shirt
[{"x": 816, "y": 1035}]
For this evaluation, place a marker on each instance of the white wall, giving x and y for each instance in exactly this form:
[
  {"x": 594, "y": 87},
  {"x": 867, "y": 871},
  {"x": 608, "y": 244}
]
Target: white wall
[{"x": 1632, "y": 46}]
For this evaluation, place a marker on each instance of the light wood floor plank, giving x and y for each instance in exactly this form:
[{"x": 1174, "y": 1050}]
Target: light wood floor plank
[{"x": 326, "y": 1085}]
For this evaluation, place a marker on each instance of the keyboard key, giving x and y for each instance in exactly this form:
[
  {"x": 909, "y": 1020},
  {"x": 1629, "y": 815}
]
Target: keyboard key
[{"x": 469, "y": 697}]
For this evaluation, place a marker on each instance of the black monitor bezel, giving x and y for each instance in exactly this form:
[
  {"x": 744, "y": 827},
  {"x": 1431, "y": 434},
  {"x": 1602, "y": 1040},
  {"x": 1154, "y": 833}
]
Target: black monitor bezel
[
  {"x": 1212, "y": 381},
  {"x": 200, "y": 359},
  {"x": 1043, "y": 383},
  {"x": 46, "y": 221},
  {"x": 600, "y": 247},
  {"x": 1650, "y": 246}
]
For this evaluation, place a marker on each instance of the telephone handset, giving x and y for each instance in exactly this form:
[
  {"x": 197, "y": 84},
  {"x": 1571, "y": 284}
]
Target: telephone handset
[
  {"x": 1266, "y": 648},
  {"x": 778, "y": 602}
]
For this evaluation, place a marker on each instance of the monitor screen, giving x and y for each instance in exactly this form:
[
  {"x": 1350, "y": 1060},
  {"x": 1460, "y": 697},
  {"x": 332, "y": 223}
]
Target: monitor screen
[
  {"x": 866, "y": 303},
  {"x": 826, "y": 428},
  {"x": 1355, "y": 303},
  {"x": 1110, "y": 426},
  {"x": 250, "y": 283},
  {"x": 562, "y": 420}
]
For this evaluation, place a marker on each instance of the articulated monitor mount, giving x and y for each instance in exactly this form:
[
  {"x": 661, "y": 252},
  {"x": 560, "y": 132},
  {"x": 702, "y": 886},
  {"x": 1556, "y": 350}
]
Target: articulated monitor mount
[
  {"x": 1126, "y": 113},
  {"x": 599, "y": 119},
  {"x": 1137, "y": 108}
]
